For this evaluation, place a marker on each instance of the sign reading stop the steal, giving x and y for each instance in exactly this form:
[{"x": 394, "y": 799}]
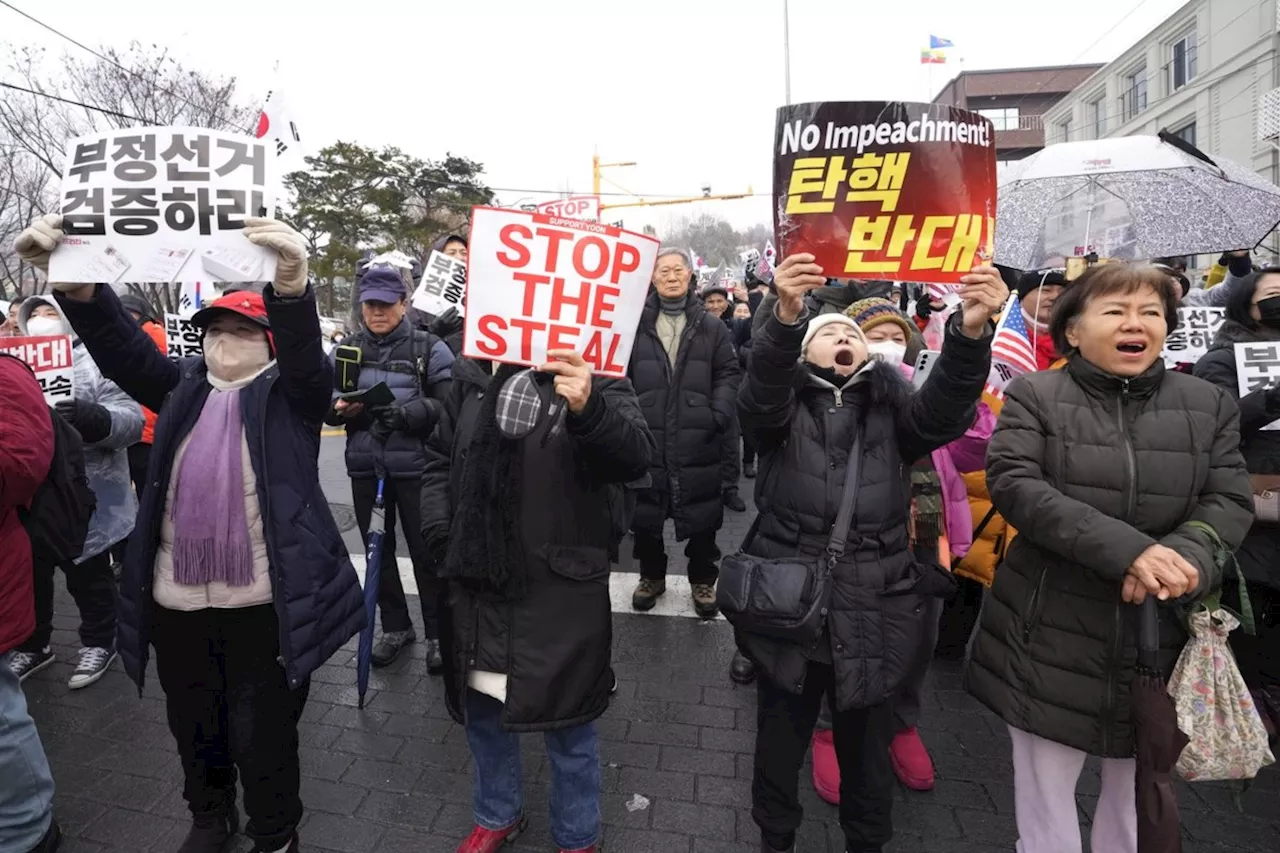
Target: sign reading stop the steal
[
  {"x": 585, "y": 207},
  {"x": 537, "y": 283}
]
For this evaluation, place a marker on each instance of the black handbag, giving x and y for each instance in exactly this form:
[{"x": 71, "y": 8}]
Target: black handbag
[{"x": 786, "y": 597}]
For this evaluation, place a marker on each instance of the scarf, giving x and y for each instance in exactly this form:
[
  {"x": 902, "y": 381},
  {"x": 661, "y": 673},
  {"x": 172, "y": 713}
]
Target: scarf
[
  {"x": 211, "y": 530},
  {"x": 485, "y": 551},
  {"x": 673, "y": 306}
]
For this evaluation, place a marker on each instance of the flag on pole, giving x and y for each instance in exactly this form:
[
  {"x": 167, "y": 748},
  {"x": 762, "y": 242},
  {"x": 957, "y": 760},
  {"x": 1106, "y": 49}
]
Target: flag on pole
[
  {"x": 698, "y": 263},
  {"x": 276, "y": 123},
  {"x": 935, "y": 42},
  {"x": 770, "y": 253},
  {"x": 932, "y": 57},
  {"x": 764, "y": 266},
  {"x": 1012, "y": 354}
]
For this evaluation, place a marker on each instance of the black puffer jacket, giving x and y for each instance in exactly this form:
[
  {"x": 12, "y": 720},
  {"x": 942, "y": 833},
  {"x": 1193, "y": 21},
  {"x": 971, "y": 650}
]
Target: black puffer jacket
[
  {"x": 1092, "y": 470},
  {"x": 554, "y": 644},
  {"x": 1259, "y": 556},
  {"x": 805, "y": 429},
  {"x": 688, "y": 409}
]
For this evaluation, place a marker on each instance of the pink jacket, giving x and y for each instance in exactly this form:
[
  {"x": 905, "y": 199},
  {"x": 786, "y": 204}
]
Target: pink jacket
[{"x": 950, "y": 461}]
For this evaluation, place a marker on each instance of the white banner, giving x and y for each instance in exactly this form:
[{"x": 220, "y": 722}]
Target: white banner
[
  {"x": 537, "y": 283},
  {"x": 50, "y": 358},
  {"x": 163, "y": 204},
  {"x": 181, "y": 337},
  {"x": 1258, "y": 368},
  {"x": 1197, "y": 327},
  {"x": 444, "y": 283}
]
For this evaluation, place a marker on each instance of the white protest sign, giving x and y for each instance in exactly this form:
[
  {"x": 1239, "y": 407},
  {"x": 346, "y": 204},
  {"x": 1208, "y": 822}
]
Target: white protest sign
[
  {"x": 1258, "y": 368},
  {"x": 444, "y": 283},
  {"x": 537, "y": 283},
  {"x": 49, "y": 356},
  {"x": 133, "y": 199},
  {"x": 181, "y": 336},
  {"x": 584, "y": 207},
  {"x": 1197, "y": 327}
]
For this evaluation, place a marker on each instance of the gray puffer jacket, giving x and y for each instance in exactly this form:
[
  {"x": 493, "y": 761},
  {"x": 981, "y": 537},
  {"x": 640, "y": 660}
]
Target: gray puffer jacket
[{"x": 1092, "y": 470}]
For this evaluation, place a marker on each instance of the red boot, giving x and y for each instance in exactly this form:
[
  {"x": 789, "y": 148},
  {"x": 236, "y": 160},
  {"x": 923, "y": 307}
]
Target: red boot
[
  {"x": 483, "y": 840},
  {"x": 911, "y": 760},
  {"x": 826, "y": 770}
]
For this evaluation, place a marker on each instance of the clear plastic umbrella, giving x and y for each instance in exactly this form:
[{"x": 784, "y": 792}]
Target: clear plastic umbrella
[{"x": 1131, "y": 198}]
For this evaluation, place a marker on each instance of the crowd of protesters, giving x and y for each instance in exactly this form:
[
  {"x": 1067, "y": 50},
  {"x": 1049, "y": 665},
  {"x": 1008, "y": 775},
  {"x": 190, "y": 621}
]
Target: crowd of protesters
[{"x": 1058, "y": 501}]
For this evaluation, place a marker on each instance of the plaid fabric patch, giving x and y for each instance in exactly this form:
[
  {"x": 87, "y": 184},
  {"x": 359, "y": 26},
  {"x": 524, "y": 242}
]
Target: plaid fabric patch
[{"x": 520, "y": 405}]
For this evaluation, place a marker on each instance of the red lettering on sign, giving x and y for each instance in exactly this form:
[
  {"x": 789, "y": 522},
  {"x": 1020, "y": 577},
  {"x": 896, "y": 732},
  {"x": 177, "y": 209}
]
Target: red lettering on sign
[
  {"x": 554, "y": 239},
  {"x": 527, "y": 328},
  {"x": 604, "y": 305},
  {"x": 611, "y": 364},
  {"x": 562, "y": 337},
  {"x": 579, "y": 257},
  {"x": 507, "y": 237},
  {"x": 491, "y": 342},
  {"x": 531, "y": 281},
  {"x": 626, "y": 258},
  {"x": 560, "y": 299}
]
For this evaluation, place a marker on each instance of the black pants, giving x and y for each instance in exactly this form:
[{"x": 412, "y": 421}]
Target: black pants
[
  {"x": 404, "y": 497},
  {"x": 784, "y": 727},
  {"x": 1258, "y": 656},
  {"x": 230, "y": 709},
  {"x": 748, "y": 449},
  {"x": 139, "y": 457},
  {"x": 702, "y": 551},
  {"x": 93, "y": 587},
  {"x": 730, "y": 461}
]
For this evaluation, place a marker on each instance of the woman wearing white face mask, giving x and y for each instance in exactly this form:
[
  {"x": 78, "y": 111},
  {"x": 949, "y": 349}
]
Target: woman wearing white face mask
[{"x": 237, "y": 573}]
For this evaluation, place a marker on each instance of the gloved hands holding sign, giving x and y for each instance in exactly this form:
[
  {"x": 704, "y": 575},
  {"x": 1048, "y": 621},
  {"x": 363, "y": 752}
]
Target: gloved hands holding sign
[
  {"x": 291, "y": 267},
  {"x": 36, "y": 244}
]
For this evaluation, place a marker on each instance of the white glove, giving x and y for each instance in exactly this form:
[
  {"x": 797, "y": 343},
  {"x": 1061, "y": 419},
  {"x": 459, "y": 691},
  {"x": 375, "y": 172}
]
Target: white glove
[
  {"x": 291, "y": 268},
  {"x": 36, "y": 244}
]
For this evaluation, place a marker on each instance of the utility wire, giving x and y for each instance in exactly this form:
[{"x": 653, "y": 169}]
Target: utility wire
[{"x": 71, "y": 102}]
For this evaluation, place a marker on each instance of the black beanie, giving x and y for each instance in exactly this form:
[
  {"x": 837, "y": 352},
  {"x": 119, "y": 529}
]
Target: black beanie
[{"x": 1030, "y": 282}]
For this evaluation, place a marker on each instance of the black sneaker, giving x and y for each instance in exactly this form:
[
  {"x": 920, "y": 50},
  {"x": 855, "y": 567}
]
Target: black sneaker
[
  {"x": 734, "y": 501},
  {"x": 211, "y": 832},
  {"x": 742, "y": 670},
  {"x": 749, "y": 470},
  {"x": 647, "y": 593},
  {"x": 26, "y": 664},
  {"x": 387, "y": 649},
  {"x": 435, "y": 663},
  {"x": 91, "y": 665},
  {"x": 291, "y": 847}
]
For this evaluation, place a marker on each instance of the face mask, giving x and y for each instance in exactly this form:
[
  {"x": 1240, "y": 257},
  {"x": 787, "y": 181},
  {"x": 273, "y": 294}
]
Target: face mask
[
  {"x": 1268, "y": 309},
  {"x": 890, "y": 352},
  {"x": 39, "y": 326},
  {"x": 231, "y": 358}
]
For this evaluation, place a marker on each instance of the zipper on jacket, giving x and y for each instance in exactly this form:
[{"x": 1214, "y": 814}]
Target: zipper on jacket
[
  {"x": 839, "y": 398},
  {"x": 1130, "y": 509},
  {"x": 1131, "y": 459},
  {"x": 1032, "y": 615}
]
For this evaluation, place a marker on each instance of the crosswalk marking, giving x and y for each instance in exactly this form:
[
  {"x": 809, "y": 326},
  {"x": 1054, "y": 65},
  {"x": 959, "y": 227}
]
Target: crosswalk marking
[{"x": 677, "y": 601}]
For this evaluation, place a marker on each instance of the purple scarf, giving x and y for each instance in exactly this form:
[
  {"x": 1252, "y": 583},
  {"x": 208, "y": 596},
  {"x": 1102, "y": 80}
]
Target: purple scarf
[{"x": 211, "y": 531}]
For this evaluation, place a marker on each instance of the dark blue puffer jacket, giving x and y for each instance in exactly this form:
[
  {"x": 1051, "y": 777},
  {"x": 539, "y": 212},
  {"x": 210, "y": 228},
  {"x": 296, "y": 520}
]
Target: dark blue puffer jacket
[
  {"x": 393, "y": 358},
  {"x": 317, "y": 596}
]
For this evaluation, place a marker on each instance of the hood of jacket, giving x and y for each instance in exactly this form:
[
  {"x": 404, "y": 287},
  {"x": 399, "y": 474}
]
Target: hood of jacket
[
  {"x": 441, "y": 242},
  {"x": 1230, "y": 333},
  {"x": 29, "y": 307},
  {"x": 885, "y": 383}
]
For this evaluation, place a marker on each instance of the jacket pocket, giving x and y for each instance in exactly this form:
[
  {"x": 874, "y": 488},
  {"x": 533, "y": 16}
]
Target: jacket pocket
[
  {"x": 578, "y": 563},
  {"x": 1035, "y": 606}
]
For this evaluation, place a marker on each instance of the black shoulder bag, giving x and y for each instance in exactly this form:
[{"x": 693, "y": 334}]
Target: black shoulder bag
[{"x": 787, "y": 597}]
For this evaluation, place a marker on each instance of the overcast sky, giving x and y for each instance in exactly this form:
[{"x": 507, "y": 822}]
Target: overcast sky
[{"x": 686, "y": 88}]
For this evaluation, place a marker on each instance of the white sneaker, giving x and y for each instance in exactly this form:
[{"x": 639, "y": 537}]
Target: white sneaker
[
  {"x": 26, "y": 664},
  {"x": 91, "y": 666}
]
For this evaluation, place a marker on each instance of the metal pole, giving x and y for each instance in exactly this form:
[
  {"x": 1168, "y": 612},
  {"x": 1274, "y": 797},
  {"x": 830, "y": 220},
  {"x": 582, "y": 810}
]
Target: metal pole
[{"x": 786, "y": 46}]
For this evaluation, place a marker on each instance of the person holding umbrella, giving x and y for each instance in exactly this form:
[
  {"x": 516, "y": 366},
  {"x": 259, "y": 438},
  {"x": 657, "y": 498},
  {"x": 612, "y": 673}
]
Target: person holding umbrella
[
  {"x": 236, "y": 574},
  {"x": 525, "y": 474},
  {"x": 1109, "y": 469}
]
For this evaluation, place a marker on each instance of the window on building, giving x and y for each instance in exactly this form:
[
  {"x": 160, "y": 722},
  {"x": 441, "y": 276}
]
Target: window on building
[
  {"x": 1098, "y": 117},
  {"x": 1183, "y": 65},
  {"x": 1133, "y": 95},
  {"x": 1004, "y": 118},
  {"x": 1187, "y": 133},
  {"x": 1064, "y": 130}
]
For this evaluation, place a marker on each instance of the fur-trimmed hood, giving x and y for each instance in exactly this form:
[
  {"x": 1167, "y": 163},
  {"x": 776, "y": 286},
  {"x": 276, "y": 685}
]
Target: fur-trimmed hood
[{"x": 885, "y": 383}]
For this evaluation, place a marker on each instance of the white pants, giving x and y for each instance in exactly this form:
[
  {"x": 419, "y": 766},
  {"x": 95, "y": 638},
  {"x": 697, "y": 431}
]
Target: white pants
[{"x": 1044, "y": 790}]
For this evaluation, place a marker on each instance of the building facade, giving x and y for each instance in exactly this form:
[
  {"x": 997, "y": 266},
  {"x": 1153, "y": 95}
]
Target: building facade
[
  {"x": 1208, "y": 74},
  {"x": 1015, "y": 99}
]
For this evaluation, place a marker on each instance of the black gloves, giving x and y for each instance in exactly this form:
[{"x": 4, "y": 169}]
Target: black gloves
[
  {"x": 448, "y": 323},
  {"x": 91, "y": 420},
  {"x": 437, "y": 543},
  {"x": 417, "y": 416}
]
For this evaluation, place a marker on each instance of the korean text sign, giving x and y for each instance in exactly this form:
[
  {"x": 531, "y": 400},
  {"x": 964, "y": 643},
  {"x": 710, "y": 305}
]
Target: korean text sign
[
  {"x": 163, "y": 204},
  {"x": 878, "y": 190},
  {"x": 444, "y": 283},
  {"x": 50, "y": 358},
  {"x": 1196, "y": 330},
  {"x": 537, "y": 283},
  {"x": 1258, "y": 368},
  {"x": 182, "y": 338}
]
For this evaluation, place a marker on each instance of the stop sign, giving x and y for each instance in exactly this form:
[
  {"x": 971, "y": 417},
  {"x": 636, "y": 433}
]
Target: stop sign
[{"x": 586, "y": 207}]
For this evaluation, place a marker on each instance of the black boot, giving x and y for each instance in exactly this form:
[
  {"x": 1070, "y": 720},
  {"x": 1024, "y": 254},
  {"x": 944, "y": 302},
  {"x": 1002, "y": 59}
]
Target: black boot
[
  {"x": 51, "y": 841},
  {"x": 435, "y": 663},
  {"x": 742, "y": 670},
  {"x": 211, "y": 832},
  {"x": 291, "y": 847},
  {"x": 749, "y": 470},
  {"x": 733, "y": 501}
]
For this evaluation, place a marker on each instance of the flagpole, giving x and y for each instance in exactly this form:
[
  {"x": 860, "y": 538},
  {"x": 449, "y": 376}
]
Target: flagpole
[{"x": 786, "y": 47}]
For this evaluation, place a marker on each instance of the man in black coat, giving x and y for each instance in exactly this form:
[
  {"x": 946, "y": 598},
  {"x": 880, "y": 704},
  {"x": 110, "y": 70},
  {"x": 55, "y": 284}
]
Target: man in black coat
[
  {"x": 716, "y": 298},
  {"x": 686, "y": 376}
]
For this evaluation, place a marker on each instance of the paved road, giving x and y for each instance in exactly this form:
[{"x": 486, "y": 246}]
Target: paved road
[{"x": 395, "y": 777}]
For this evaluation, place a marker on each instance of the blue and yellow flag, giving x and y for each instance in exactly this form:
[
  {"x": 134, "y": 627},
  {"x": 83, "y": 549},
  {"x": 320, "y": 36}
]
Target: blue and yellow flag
[{"x": 935, "y": 42}]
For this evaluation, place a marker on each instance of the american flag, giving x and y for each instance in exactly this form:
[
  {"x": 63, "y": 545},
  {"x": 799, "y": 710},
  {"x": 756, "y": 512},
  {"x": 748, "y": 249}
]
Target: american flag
[
  {"x": 764, "y": 267},
  {"x": 1011, "y": 351},
  {"x": 938, "y": 292}
]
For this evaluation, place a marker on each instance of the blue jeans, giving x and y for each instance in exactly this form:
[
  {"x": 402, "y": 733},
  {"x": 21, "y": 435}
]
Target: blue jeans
[
  {"x": 497, "y": 800},
  {"x": 26, "y": 792}
]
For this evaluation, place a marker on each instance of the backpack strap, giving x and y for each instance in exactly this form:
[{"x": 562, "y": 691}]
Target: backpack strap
[
  {"x": 1225, "y": 559},
  {"x": 848, "y": 497}
]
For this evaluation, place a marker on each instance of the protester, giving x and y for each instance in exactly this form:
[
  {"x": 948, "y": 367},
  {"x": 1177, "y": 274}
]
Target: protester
[
  {"x": 715, "y": 298},
  {"x": 140, "y": 453},
  {"x": 237, "y": 574},
  {"x": 686, "y": 375},
  {"x": 1253, "y": 316},
  {"x": 448, "y": 326},
  {"x": 1223, "y": 278},
  {"x": 388, "y": 442},
  {"x": 520, "y": 515},
  {"x": 814, "y": 398},
  {"x": 1085, "y": 464},
  {"x": 26, "y": 449},
  {"x": 833, "y": 297},
  {"x": 8, "y": 327},
  {"x": 1176, "y": 270},
  {"x": 109, "y": 423},
  {"x": 1038, "y": 290}
]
